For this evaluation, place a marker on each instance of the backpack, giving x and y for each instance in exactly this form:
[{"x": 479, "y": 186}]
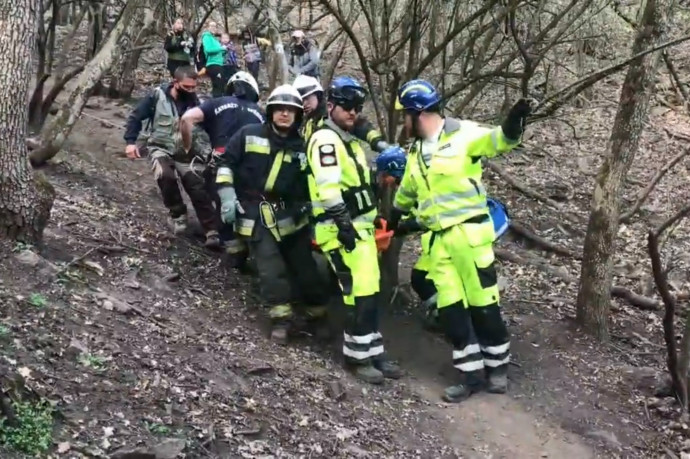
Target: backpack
[{"x": 200, "y": 57}]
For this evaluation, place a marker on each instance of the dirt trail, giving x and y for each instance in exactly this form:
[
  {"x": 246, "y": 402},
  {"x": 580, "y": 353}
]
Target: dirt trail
[
  {"x": 485, "y": 425},
  {"x": 522, "y": 424}
]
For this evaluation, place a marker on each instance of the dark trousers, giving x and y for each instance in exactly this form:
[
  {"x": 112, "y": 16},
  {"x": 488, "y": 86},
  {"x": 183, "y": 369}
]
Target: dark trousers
[
  {"x": 215, "y": 73},
  {"x": 253, "y": 68},
  {"x": 166, "y": 171},
  {"x": 229, "y": 71},
  {"x": 173, "y": 65},
  {"x": 286, "y": 269},
  {"x": 235, "y": 248},
  {"x": 479, "y": 336}
]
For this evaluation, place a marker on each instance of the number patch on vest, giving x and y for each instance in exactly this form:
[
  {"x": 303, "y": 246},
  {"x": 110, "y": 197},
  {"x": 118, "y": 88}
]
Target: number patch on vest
[{"x": 327, "y": 155}]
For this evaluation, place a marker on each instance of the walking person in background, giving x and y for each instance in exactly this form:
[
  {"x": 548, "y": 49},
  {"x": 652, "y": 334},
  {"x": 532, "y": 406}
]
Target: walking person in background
[
  {"x": 211, "y": 57},
  {"x": 304, "y": 56},
  {"x": 179, "y": 45},
  {"x": 231, "y": 64},
  {"x": 252, "y": 51}
]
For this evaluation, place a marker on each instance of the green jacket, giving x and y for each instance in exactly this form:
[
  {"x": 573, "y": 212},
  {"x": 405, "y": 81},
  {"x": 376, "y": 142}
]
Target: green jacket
[{"x": 213, "y": 50}]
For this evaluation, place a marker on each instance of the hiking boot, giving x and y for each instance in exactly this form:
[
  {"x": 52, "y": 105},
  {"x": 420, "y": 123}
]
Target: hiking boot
[
  {"x": 212, "y": 240},
  {"x": 279, "y": 333},
  {"x": 369, "y": 374},
  {"x": 180, "y": 225},
  {"x": 388, "y": 368},
  {"x": 460, "y": 392},
  {"x": 498, "y": 382}
]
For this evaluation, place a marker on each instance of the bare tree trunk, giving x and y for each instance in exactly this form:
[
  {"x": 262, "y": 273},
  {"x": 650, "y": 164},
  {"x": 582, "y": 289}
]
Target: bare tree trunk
[
  {"x": 55, "y": 133},
  {"x": 122, "y": 79},
  {"x": 279, "y": 74},
  {"x": 67, "y": 44},
  {"x": 593, "y": 299},
  {"x": 25, "y": 201}
]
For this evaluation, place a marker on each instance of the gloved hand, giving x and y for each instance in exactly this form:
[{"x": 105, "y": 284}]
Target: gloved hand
[
  {"x": 514, "y": 123},
  {"x": 347, "y": 234},
  {"x": 396, "y": 215},
  {"x": 407, "y": 226},
  {"x": 392, "y": 160},
  {"x": 228, "y": 204}
]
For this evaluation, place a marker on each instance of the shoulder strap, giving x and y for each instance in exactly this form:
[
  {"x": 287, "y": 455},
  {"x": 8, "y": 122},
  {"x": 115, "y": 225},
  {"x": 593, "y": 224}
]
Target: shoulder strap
[{"x": 156, "y": 95}]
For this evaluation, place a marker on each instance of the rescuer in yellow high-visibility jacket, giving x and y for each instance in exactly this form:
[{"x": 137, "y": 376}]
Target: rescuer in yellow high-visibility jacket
[
  {"x": 344, "y": 212},
  {"x": 443, "y": 179}
]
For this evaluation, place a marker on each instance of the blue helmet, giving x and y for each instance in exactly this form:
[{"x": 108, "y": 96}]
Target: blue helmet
[
  {"x": 417, "y": 95},
  {"x": 346, "y": 90}
]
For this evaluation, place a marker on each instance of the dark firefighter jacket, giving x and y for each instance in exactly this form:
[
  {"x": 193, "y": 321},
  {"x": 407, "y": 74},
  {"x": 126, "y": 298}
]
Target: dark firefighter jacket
[{"x": 269, "y": 174}]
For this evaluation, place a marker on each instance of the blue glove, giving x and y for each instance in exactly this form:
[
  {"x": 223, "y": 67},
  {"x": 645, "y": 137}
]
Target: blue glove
[
  {"x": 499, "y": 216},
  {"x": 228, "y": 204},
  {"x": 392, "y": 160}
]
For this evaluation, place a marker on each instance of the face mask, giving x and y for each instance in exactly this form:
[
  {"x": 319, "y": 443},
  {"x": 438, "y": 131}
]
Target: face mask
[{"x": 184, "y": 95}]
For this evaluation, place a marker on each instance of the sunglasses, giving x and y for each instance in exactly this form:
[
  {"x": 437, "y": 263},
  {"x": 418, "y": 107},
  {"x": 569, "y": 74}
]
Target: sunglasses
[{"x": 350, "y": 105}]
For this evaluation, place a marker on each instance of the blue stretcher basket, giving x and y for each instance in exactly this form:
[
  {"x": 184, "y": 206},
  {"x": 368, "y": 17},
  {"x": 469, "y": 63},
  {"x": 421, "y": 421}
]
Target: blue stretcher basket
[{"x": 499, "y": 216}]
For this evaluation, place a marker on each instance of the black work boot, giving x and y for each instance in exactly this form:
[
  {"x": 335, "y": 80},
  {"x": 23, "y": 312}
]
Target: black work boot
[
  {"x": 389, "y": 368},
  {"x": 498, "y": 380},
  {"x": 474, "y": 382}
]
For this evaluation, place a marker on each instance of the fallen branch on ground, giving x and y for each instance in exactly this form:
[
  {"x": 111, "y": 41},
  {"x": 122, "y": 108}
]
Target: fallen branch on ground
[
  {"x": 524, "y": 189},
  {"x": 642, "y": 197},
  {"x": 547, "y": 245},
  {"x": 639, "y": 301},
  {"x": 74, "y": 261}
]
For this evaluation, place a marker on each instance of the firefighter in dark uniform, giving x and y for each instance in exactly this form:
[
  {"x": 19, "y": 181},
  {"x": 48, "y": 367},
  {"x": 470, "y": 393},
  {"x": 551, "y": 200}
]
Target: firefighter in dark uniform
[
  {"x": 262, "y": 179},
  {"x": 221, "y": 118}
]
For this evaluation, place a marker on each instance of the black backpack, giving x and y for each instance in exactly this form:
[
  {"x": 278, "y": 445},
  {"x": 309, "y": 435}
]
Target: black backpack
[{"x": 200, "y": 58}]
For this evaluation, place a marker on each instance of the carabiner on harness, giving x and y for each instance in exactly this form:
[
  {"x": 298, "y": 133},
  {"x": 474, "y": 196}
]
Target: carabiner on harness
[{"x": 266, "y": 211}]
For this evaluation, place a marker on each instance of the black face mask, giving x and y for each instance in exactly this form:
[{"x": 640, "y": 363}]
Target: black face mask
[{"x": 184, "y": 96}]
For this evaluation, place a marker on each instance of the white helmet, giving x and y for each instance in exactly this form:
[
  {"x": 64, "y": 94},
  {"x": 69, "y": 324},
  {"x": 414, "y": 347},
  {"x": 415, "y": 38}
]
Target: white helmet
[
  {"x": 306, "y": 85},
  {"x": 241, "y": 89},
  {"x": 298, "y": 34},
  {"x": 285, "y": 94}
]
